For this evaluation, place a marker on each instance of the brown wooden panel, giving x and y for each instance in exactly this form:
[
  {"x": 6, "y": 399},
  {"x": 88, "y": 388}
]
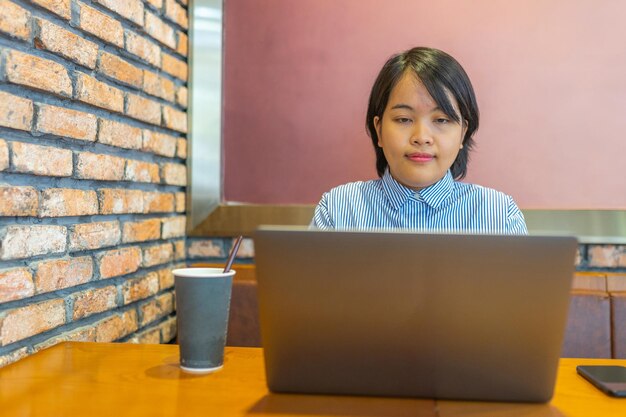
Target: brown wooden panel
[
  {"x": 243, "y": 219},
  {"x": 589, "y": 281},
  {"x": 616, "y": 282},
  {"x": 588, "y": 331},
  {"x": 244, "y": 272},
  {"x": 243, "y": 322},
  {"x": 618, "y": 312}
]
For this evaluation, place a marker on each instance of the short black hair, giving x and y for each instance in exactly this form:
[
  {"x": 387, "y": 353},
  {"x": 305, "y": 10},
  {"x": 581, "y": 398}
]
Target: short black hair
[{"x": 441, "y": 75}]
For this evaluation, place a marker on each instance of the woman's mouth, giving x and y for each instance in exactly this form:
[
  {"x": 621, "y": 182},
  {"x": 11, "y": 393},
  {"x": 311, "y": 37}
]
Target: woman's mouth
[{"x": 420, "y": 157}]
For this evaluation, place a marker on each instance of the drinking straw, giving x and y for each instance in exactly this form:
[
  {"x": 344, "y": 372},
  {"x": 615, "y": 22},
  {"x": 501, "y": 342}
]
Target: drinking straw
[{"x": 233, "y": 253}]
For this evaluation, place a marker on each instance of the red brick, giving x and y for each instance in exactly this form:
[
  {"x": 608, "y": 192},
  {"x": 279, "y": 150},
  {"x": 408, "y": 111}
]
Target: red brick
[
  {"x": 119, "y": 262},
  {"x": 579, "y": 257},
  {"x": 119, "y": 69},
  {"x": 119, "y": 134},
  {"x": 33, "y": 71},
  {"x": 166, "y": 278},
  {"x": 158, "y": 86},
  {"x": 57, "y": 274},
  {"x": 143, "y": 48},
  {"x": 4, "y": 155},
  {"x": 159, "y": 143},
  {"x": 14, "y": 20},
  {"x": 101, "y": 25},
  {"x": 67, "y": 44},
  {"x": 58, "y": 7},
  {"x": 82, "y": 334},
  {"x": 13, "y": 356},
  {"x": 182, "y": 96},
  {"x": 141, "y": 231},
  {"x": 181, "y": 148},
  {"x": 148, "y": 336},
  {"x": 24, "y": 322},
  {"x": 175, "y": 67},
  {"x": 246, "y": 249},
  {"x": 60, "y": 202},
  {"x": 18, "y": 201},
  {"x": 205, "y": 249},
  {"x": 93, "y": 166},
  {"x": 156, "y": 308},
  {"x": 86, "y": 236},
  {"x": 15, "y": 112},
  {"x": 175, "y": 119},
  {"x": 168, "y": 329},
  {"x": 143, "y": 109},
  {"x": 97, "y": 93},
  {"x": 17, "y": 283},
  {"x": 179, "y": 250},
  {"x": 129, "y": 9},
  {"x": 27, "y": 241},
  {"x": 182, "y": 44},
  {"x": 156, "y": 202},
  {"x": 113, "y": 328},
  {"x": 174, "y": 227},
  {"x": 41, "y": 160},
  {"x": 168, "y": 89},
  {"x": 180, "y": 202},
  {"x": 159, "y": 30},
  {"x": 607, "y": 256},
  {"x": 66, "y": 122},
  {"x": 156, "y": 3},
  {"x": 159, "y": 254},
  {"x": 175, "y": 174},
  {"x": 141, "y": 171},
  {"x": 140, "y": 288},
  {"x": 119, "y": 201},
  {"x": 92, "y": 301},
  {"x": 176, "y": 13}
]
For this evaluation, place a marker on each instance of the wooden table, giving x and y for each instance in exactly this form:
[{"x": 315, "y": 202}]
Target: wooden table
[{"x": 113, "y": 380}]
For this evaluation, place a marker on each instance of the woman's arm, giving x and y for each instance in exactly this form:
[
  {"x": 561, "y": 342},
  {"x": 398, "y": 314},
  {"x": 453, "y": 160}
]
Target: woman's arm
[
  {"x": 515, "y": 223},
  {"x": 321, "y": 216}
]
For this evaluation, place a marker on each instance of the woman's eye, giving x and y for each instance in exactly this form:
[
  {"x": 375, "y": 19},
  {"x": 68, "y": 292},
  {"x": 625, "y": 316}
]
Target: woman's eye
[
  {"x": 442, "y": 120},
  {"x": 403, "y": 120}
]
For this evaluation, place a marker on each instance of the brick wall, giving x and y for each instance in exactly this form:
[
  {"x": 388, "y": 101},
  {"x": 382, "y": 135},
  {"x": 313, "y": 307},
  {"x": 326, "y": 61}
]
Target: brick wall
[{"x": 93, "y": 144}]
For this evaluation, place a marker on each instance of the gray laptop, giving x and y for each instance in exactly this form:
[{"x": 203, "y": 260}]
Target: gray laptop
[{"x": 474, "y": 317}]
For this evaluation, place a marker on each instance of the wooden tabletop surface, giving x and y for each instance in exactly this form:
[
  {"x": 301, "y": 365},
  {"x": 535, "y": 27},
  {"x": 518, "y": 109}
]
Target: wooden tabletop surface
[{"x": 98, "y": 379}]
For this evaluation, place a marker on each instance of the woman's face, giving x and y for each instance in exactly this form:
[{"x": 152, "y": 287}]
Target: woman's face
[{"x": 419, "y": 140}]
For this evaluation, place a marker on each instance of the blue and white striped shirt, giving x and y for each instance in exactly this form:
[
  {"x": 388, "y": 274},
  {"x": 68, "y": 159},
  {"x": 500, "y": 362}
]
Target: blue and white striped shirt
[{"x": 446, "y": 206}]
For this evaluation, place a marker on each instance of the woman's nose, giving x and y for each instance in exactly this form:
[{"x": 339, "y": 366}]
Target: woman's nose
[{"x": 421, "y": 135}]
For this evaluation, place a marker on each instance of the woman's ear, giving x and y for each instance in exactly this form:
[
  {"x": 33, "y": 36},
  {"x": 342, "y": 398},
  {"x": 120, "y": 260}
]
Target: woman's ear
[
  {"x": 463, "y": 132},
  {"x": 377, "y": 124}
]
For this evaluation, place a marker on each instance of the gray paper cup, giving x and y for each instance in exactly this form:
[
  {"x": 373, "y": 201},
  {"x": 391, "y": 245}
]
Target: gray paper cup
[{"x": 202, "y": 305}]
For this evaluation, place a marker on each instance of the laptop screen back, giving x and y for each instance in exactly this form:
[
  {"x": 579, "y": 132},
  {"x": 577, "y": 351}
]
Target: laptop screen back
[{"x": 404, "y": 314}]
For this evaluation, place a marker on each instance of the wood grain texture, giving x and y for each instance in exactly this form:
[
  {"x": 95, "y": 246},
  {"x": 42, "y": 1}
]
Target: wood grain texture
[{"x": 100, "y": 379}]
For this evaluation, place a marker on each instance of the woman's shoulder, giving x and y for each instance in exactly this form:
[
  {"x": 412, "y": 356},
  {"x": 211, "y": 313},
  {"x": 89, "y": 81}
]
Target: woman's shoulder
[
  {"x": 476, "y": 191},
  {"x": 354, "y": 189}
]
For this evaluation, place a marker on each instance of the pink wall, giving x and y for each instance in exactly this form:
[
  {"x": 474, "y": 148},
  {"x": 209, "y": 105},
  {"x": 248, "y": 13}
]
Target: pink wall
[{"x": 550, "y": 77}]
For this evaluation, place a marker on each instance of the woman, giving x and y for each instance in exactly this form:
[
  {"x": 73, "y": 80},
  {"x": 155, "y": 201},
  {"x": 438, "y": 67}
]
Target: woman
[{"x": 421, "y": 116}]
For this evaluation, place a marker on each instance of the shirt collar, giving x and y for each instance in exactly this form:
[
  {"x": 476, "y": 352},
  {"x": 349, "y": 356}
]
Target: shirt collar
[{"x": 433, "y": 195}]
